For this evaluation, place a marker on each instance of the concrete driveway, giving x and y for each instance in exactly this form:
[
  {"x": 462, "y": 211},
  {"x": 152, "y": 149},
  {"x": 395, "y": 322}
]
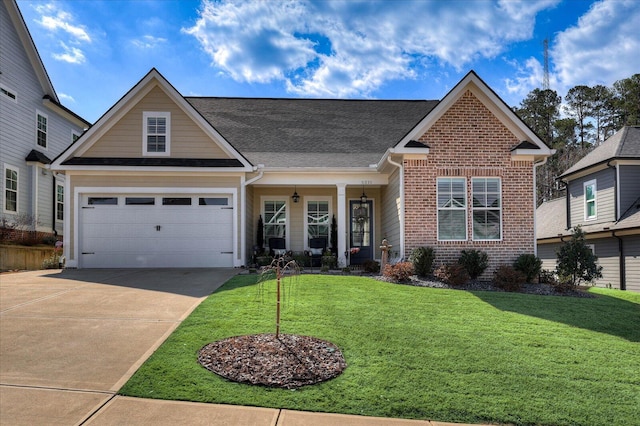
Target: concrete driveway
[{"x": 70, "y": 339}]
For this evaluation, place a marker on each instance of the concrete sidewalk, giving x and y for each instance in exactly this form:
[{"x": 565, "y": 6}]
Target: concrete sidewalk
[{"x": 70, "y": 339}]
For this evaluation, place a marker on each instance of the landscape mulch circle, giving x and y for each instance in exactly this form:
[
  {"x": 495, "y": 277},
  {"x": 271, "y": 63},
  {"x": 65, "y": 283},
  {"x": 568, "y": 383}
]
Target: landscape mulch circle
[{"x": 288, "y": 361}]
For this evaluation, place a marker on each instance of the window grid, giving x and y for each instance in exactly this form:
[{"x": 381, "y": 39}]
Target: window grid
[
  {"x": 156, "y": 133},
  {"x": 275, "y": 219},
  {"x": 10, "y": 189},
  {"x": 452, "y": 209},
  {"x": 59, "y": 202},
  {"x": 590, "y": 206},
  {"x": 318, "y": 219},
  {"x": 41, "y": 130},
  {"x": 487, "y": 209}
]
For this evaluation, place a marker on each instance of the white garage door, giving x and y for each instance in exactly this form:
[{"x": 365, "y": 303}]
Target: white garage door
[{"x": 155, "y": 231}]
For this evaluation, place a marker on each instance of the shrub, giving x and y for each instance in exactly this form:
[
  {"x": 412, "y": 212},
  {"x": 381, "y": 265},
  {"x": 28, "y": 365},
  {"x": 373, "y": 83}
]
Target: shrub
[
  {"x": 400, "y": 272},
  {"x": 576, "y": 262},
  {"x": 508, "y": 278},
  {"x": 422, "y": 259},
  {"x": 453, "y": 274},
  {"x": 329, "y": 261},
  {"x": 371, "y": 266},
  {"x": 547, "y": 277},
  {"x": 474, "y": 261},
  {"x": 529, "y": 264}
]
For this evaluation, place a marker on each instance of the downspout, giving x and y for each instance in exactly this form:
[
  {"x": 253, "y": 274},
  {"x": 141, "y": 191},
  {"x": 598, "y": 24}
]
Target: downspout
[
  {"x": 567, "y": 205},
  {"x": 623, "y": 266},
  {"x": 53, "y": 200},
  {"x": 535, "y": 203},
  {"x": 401, "y": 171}
]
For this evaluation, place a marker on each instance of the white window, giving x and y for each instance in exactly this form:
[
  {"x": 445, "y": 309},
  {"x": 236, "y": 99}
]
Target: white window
[
  {"x": 274, "y": 212},
  {"x": 9, "y": 93},
  {"x": 452, "y": 209},
  {"x": 487, "y": 208},
  {"x": 318, "y": 218},
  {"x": 590, "y": 208},
  {"x": 41, "y": 129},
  {"x": 156, "y": 132},
  {"x": 59, "y": 202},
  {"x": 10, "y": 189}
]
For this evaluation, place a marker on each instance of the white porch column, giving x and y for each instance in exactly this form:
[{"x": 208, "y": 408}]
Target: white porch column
[{"x": 342, "y": 223}]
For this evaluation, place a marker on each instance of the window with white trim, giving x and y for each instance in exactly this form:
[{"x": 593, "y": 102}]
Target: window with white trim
[
  {"x": 452, "y": 209},
  {"x": 156, "y": 133},
  {"x": 59, "y": 202},
  {"x": 317, "y": 218},
  {"x": 590, "y": 208},
  {"x": 41, "y": 129},
  {"x": 274, "y": 212},
  {"x": 10, "y": 189},
  {"x": 486, "y": 209}
]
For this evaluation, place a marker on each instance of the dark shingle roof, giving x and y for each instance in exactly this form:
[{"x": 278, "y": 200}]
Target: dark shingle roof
[
  {"x": 624, "y": 144},
  {"x": 38, "y": 157},
  {"x": 301, "y": 132}
]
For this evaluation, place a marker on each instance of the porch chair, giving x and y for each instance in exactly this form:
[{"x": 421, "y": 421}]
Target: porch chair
[
  {"x": 277, "y": 247},
  {"x": 317, "y": 247}
]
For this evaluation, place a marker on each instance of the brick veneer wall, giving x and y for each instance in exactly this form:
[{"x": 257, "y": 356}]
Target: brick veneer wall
[{"x": 469, "y": 141}]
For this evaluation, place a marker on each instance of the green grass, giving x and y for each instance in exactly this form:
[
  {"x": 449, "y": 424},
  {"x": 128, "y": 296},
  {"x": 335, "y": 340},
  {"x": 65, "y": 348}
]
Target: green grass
[{"x": 422, "y": 353}]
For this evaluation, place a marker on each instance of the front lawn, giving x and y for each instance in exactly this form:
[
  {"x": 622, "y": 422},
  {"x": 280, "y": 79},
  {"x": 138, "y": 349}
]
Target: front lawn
[{"x": 422, "y": 353}]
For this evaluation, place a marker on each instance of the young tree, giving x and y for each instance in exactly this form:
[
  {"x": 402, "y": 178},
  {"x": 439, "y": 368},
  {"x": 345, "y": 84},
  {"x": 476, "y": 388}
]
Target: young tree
[{"x": 576, "y": 263}]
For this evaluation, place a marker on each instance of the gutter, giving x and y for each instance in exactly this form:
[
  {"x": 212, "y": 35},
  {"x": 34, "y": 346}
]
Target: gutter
[{"x": 401, "y": 171}]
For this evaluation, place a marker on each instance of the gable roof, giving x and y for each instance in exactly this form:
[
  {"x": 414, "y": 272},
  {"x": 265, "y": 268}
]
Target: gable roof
[
  {"x": 153, "y": 79},
  {"x": 531, "y": 144},
  {"x": 312, "y": 132},
  {"x": 625, "y": 144},
  {"x": 32, "y": 53}
]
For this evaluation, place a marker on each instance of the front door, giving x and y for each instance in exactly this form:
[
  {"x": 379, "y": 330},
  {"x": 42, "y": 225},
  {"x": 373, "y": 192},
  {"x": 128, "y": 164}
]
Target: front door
[{"x": 361, "y": 231}]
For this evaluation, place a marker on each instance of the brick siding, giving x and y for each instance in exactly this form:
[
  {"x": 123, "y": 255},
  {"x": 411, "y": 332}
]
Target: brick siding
[{"x": 469, "y": 141}]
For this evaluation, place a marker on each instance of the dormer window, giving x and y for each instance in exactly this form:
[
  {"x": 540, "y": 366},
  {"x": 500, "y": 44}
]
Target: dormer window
[
  {"x": 156, "y": 133},
  {"x": 590, "y": 208}
]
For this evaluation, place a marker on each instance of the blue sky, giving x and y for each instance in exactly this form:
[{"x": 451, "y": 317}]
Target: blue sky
[{"x": 95, "y": 51}]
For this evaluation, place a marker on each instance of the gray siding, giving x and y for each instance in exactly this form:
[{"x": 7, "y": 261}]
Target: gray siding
[
  {"x": 629, "y": 186},
  {"x": 605, "y": 199},
  {"x": 547, "y": 253},
  {"x": 632, "y": 262},
  {"x": 609, "y": 258},
  {"x": 18, "y": 126},
  {"x": 391, "y": 210}
]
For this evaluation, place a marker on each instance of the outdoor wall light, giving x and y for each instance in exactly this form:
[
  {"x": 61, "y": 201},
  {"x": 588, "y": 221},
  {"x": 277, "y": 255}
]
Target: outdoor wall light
[
  {"x": 295, "y": 197},
  {"x": 363, "y": 197}
]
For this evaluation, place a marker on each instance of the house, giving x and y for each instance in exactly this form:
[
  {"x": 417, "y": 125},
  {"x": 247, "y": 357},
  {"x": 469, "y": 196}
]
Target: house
[
  {"x": 34, "y": 129},
  {"x": 167, "y": 180},
  {"x": 603, "y": 198}
]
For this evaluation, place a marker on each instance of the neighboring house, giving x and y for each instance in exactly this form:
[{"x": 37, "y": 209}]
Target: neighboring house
[
  {"x": 603, "y": 197},
  {"x": 167, "y": 180},
  {"x": 34, "y": 129}
]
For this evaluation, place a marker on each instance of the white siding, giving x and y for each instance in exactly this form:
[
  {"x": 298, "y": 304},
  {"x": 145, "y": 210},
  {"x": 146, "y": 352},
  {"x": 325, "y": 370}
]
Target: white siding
[{"x": 18, "y": 123}]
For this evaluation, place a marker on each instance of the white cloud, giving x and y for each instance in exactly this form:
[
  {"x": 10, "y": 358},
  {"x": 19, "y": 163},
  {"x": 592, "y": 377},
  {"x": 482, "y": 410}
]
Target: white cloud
[
  {"x": 71, "y": 35},
  {"x": 148, "y": 42},
  {"x": 54, "y": 19},
  {"x": 602, "y": 48},
  {"x": 72, "y": 55},
  {"x": 66, "y": 97},
  {"x": 347, "y": 48}
]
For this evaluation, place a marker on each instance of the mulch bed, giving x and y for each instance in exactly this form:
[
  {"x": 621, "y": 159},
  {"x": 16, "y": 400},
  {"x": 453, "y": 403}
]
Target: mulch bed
[{"x": 289, "y": 361}]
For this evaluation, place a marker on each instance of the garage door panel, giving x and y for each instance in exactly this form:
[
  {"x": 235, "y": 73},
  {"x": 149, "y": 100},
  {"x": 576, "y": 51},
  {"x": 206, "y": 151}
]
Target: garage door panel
[{"x": 156, "y": 236}]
